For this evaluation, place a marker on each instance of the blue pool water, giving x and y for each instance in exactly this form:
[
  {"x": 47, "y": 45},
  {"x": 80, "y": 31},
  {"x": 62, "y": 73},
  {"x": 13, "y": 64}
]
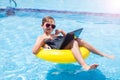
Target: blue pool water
[{"x": 19, "y": 32}]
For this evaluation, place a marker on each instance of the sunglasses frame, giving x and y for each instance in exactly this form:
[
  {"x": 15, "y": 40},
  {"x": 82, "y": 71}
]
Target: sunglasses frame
[{"x": 52, "y": 25}]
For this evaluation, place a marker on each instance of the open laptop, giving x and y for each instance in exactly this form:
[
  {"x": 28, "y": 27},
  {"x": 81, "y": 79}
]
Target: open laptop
[
  {"x": 70, "y": 36},
  {"x": 77, "y": 32}
]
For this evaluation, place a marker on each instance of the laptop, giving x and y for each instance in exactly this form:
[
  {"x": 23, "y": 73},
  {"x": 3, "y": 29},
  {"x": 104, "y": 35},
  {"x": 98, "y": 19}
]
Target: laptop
[
  {"x": 77, "y": 32},
  {"x": 70, "y": 36}
]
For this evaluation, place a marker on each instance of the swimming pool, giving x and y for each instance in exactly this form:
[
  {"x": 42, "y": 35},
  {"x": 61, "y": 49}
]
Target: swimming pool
[{"x": 18, "y": 34}]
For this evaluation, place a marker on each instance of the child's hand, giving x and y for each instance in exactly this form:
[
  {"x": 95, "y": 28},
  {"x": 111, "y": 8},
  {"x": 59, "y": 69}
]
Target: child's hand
[{"x": 58, "y": 31}]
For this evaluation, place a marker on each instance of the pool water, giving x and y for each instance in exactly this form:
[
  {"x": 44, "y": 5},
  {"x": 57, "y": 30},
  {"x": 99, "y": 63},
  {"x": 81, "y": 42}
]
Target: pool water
[{"x": 19, "y": 32}]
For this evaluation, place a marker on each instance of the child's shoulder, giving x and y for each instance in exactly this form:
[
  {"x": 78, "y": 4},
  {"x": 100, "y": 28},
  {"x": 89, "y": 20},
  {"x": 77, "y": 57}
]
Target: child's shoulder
[{"x": 40, "y": 37}]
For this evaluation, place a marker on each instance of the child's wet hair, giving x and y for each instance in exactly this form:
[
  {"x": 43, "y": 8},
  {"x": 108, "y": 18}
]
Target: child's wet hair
[{"x": 46, "y": 19}]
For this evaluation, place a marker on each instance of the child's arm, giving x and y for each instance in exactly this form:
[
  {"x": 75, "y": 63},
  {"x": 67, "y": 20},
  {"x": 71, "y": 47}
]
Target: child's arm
[
  {"x": 39, "y": 42},
  {"x": 58, "y": 31}
]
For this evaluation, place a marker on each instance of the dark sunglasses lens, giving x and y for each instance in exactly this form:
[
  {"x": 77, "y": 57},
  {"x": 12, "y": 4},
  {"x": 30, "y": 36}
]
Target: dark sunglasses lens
[
  {"x": 53, "y": 26},
  {"x": 47, "y": 25}
]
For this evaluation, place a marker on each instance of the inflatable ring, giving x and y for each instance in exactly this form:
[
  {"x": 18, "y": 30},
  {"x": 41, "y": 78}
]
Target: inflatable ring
[{"x": 60, "y": 56}]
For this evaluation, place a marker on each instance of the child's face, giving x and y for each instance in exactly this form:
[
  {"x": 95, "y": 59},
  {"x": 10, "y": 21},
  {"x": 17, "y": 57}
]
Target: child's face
[{"x": 49, "y": 26}]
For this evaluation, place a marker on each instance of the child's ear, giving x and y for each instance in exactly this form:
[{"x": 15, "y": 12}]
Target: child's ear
[{"x": 41, "y": 25}]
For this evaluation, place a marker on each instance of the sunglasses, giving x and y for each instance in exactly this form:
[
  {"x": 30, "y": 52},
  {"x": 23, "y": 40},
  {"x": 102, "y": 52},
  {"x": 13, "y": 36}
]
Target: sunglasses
[{"x": 52, "y": 25}]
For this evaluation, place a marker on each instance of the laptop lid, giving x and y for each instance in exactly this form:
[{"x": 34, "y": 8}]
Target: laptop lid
[
  {"x": 77, "y": 32},
  {"x": 69, "y": 37}
]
